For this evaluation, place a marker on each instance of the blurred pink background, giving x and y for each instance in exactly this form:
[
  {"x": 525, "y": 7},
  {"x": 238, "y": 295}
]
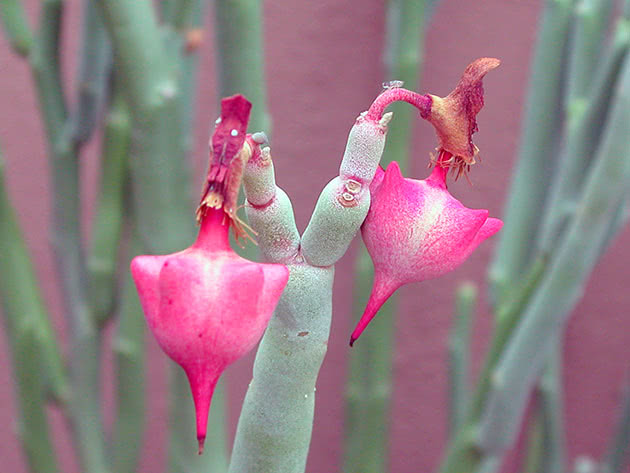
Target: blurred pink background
[{"x": 324, "y": 66}]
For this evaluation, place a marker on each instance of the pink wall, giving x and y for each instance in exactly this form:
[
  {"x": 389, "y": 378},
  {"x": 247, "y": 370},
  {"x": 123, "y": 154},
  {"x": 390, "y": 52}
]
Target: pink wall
[{"x": 324, "y": 67}]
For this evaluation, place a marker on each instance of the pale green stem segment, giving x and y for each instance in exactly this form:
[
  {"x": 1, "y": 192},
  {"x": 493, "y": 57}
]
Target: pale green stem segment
[
  {"x": 129, "y": 357},
  {"x": 590, "y": 21},
  {"x": 546, "y": 448},
  {"x": 274, "y": 429},
  {"x": 583, "y": 133},
  {"x": 550, "y": 394},
  {"x": 617, "y": 457},
  {"x": 37, "y": 364},
  {"x": 459, "y": 355},
  {"x": 463, "y": 453},
  {"x": 151, "y": 76},
  {"x": 544, "y": 318},
  {"x": 535, "y": 447},
  {"x": 22, "y": 299},
  {"x": 93, "y": 75},
  {"x": 368, "y": 389},
  {"x": 239, "y": 40},
  {"x": 84, "y": 403},
  {"x": 160, "y": 176},
  {"x": 16, "y": 26},
  {"x": 107, "y": 227},
  {"x": 536, "y": 161},
  {"x": 178, "y": 13}
]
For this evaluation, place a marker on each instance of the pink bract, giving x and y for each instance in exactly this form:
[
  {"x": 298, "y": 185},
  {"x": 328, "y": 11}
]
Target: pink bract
[
  {"x": 415, "y": 230},
  {"x": 207, "y": 306}
]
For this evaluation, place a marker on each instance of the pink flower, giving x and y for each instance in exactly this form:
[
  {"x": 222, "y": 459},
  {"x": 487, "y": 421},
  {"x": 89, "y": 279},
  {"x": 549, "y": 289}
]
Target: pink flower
[
  {"x": 205, "y": 305},
  {"x": 415, "y": 230}
]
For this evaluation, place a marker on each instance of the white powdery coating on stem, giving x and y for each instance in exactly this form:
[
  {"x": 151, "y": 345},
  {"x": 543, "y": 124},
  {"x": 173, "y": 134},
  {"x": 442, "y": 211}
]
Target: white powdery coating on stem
[
  {"x": 278, "y": 237},
  {"x": 338, "y": 216},
  {"x": 364, "y": 150},
  {"x": 274, "y": 430},
  {"x": 259, "y": 181}
]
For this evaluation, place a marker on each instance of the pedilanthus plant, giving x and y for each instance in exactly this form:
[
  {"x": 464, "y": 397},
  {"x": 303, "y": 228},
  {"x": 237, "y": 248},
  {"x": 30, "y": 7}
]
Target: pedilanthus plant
[{"x": 198, "y": 302}]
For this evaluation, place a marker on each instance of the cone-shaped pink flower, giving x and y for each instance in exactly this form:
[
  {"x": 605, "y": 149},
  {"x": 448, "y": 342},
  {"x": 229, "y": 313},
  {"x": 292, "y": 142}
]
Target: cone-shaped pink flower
[
  {"x": 206, "y": 305},
  {"x": 415, "y": 230}
]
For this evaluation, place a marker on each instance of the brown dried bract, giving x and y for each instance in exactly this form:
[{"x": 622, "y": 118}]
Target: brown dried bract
[{"x": 454, "y": 116}]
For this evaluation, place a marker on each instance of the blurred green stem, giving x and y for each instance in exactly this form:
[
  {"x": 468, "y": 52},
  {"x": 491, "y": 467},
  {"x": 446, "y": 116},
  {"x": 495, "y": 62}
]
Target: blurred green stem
[
  {"x": 368, "y": 390},
  {"x": 546, "y": 452},
  {"x": 459, "y": 354},
  {"x": 583, "y": 134},
  {"x": 541, "y": 129},
  {"x": 463, "y": 454},
  {"x": 84, "y": 405},
  {"x": 161, "y": 184},
  {"x": 93, "y": 75},
  {"x": 239, "y": 39},
  {"x": 589, "y": 29},
  {"x": 617, "y": 457},
  {"x": 107, "y": 226},
  {"x": 561, "y": 287},
  {"x": 128, "y": 348},
  {"x": 34, "y": 352},
  {"x": 16, "y": 26}
]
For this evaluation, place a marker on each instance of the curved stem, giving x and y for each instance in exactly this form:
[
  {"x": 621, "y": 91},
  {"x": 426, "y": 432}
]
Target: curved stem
[
  {"x": 368, "y": 389},
  {"x": 398, "y": 94}
]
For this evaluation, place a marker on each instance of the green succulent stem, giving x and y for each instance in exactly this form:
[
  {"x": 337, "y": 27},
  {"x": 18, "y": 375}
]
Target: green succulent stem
[
  {"x": 36, "y": 362},
  {"x": 107, "y": 227},
  {"x": 561, "y": 287},
  {"x": 536, "y": 161},
  {"x": 83, "y": 407},
  {"x": 16, "y": 26},
  {"x": 464, "y": 454},
  {"x": 616, "y": 458},
  {"x": 368, "y": 391},
  {"x": 459, "y": 354},
  {"x": 92, "y": 76},
  {"x": 590, "y": 21},
  {"x": 129, "y": 357},
  {"x": 239, "y": 39},
  {"x": 583, "y": 134}
]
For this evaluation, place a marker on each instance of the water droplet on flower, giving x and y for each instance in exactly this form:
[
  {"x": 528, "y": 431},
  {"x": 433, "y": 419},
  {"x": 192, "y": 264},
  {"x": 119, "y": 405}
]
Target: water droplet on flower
[
  {"x": 393, "y": 84},
  {"x": 234, "y": 132},
  {"x": 217, "y": 121}
]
